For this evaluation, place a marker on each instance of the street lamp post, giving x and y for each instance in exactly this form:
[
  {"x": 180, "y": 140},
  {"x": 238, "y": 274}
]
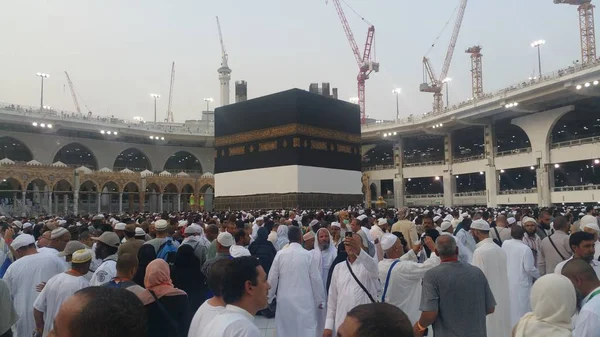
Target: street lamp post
[
  {"x": 397, "y": 91},
  {"x": 155, "y": 96},
  {"x": 537, "y": 44},
  {"x": 42, "y": 76},
  {"x": 208, "y": 100},
  {"x": 447, "y": 80}
]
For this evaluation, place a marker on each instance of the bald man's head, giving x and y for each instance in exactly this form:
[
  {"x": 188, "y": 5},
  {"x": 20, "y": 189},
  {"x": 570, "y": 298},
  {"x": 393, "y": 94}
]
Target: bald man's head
[{"x": 579, "y": 269}]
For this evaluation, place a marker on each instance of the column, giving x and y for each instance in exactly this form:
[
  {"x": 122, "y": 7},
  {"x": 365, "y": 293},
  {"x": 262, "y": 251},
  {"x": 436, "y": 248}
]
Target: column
[
  {"x": 98, "y": 201},
  {"x": 50, "y": 203},
  {"x": 66, "y": 201},
  {"x": 120, "y": 202},
  {"x": 55, "y": 203},
  {"x": 178, "y": 208},
  {"x": 545, "y": 182},
  {"x": 24, "y": 199},
  {"x": 142, "y": 200},
  {"x": 491, "y": 174},
  {"x": 448, "y": 179},
  {"x": 160, "y": 203},
  {"x": 76, "y": 203},
  {"x": 399, "y": 175}
]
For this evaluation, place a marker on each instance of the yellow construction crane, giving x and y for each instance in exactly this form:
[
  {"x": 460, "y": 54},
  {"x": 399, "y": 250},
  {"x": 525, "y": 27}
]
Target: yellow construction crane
[{"x": 587, "y": 32}]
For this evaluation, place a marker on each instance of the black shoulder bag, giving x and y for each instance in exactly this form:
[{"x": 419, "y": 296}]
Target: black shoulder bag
[
  {"x": 553, "y": 245},
  {"x": 360, "y": 284},
  {"x": 166, "y": 313}
]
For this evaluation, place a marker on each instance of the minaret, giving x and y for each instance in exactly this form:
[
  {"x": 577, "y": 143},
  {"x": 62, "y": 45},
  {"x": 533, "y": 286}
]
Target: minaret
[{"x": 224, "y": 78}]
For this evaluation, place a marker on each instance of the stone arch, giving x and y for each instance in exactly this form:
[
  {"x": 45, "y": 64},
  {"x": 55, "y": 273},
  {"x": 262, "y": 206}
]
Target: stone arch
[
  {"x": 131, "y": 196},
  {"x": 171, "y": 188},
  {"x": 14, "y": 149},
  {"x": 152, "y": 199},
  {"x": 183, "y": 161},
  {"x": 206, "y": 197},
  {"x": 10, "y": 184},
  {"x": 131, "y": 187},
  {"x": 153, "y": 188},
  {"x": 109, "y": 197},
  {"x": 133, "y": 159},
  {"x": 510, "y": 137},
  {"x": 62, "y": 186},
  {"x": 88, "y": 185},
  {"x": 582, "y": 122},
  {"x": 76, "y": 154},
  {"x": 111, "y": 186},
  {"x": 10, "y": 190},
  {"x": 187, "y": 191}
]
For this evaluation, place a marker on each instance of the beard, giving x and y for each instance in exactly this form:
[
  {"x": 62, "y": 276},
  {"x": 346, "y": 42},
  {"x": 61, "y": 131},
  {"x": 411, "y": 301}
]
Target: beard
[{"x": 324, "y": 245}]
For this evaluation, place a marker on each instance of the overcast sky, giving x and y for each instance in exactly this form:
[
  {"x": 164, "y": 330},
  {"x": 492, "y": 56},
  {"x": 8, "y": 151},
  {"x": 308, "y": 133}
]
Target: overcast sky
[{"x": 117, "y": 52}]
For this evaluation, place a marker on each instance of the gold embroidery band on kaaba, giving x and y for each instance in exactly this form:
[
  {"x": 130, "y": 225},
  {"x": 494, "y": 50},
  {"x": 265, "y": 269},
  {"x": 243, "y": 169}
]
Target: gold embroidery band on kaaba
[{"x": 287, "y": 130}]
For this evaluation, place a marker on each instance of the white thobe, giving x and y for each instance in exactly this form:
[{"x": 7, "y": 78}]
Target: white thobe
[
  {"x": 232, "y": 322},
  {"x": 296, "y": 282},
  {"x": 323, "y": 260},
  {"x": 491, "y": 259},
  {"x": 344, "y": 291},
  {"x": 596, "y": 250},
  {"x": 404, "y": 288},
  {"x": 22, "y": 277},
  {"x": 587, "y": 323},
  {"x": 594, "y": 263},
  {"x": 466, "y": 240},
  {"x": 521, "y": 271}
]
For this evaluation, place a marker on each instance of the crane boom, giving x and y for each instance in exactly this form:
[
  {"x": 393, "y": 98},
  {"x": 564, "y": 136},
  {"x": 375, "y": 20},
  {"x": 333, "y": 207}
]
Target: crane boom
[
  {"x": 73, "y": 94},
  {"x": 348, "y": 31},
  {"x": 224, "y": 55},
  {"x": 170, "y": 118},
  {"x": 452, "y": 45}
]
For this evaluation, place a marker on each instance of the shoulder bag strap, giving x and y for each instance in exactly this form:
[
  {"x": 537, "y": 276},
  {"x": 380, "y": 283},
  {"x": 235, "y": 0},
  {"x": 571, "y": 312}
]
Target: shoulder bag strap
[
  {"x": 497, "y": 234},
  {"x": 166, "y": 313},
  {"x": 553, "y": 245},
  {"x": 387, "y": 280},
  {"x": 360, "y": 284}
]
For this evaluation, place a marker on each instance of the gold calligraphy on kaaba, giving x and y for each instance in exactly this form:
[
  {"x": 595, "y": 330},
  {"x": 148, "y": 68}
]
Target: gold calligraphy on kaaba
[
  {"x": 296, "y": 142},
  {"x": 344, "y": 148},
  {"x": 268, "y": 146},
  {"x": 287, "y": 130},
  {"x": 237, "y": 150},
  {"x": 317, "y": 145}
]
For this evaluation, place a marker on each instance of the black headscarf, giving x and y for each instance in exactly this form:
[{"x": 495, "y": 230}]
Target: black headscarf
[
  {"x": 341, "y": 257},
  {"x": 263, "y": 249}
]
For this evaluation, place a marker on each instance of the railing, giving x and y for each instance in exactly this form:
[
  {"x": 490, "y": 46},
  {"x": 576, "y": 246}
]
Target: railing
[
  {"x": 204, "y": 128},
  {"x": 424, "y": 163},
  {"x": 471, "y": 194},
  {"x": 378, "y": 167},
  {"x": 424, "y": 196},
  {"x": 574, "y": 142},
  {"x": 589, "y": 187},
  {"x": 487, "y": 96},
  {"x": 513, "y": 152},
  {"x": 466, "y": 159},
  {"x": 523, "y": 191}
]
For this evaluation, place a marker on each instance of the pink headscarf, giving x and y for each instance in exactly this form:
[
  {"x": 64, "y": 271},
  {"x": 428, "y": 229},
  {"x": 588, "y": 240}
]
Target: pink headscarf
[{"x": 158, "y": 280}]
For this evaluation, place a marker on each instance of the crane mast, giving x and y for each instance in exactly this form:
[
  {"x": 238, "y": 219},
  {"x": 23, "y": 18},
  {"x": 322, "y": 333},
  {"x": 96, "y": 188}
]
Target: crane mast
[
  {"x": 436, "y": 84},
  {"x": 365, "y": 64},
  {"x": 224, "y": 56},
  {"x": 170, "y": 118},
  {"x": 73, "y": 94},
  {"x": 476, "y": 70},
  {"x": 587, "y": 30}
]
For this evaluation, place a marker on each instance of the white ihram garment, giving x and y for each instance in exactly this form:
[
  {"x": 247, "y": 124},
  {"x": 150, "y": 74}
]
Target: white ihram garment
[
  {"x": 232, "y": 322},
  {"x": 492, "y": 261},
  {"x": 297, "y": 284},
  {"x": 323, "y": 260},
  {"x": 521, "y": 271}
]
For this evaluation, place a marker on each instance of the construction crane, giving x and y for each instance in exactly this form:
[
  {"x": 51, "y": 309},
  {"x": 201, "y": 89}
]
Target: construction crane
[
  {"x": 476, "y": 70},
  {"x": 365, "y": 64},
  {"x": 170, "y": 118},
  {"x": 587, "y": 32},
  {"x": 431, "y": 83},
  {"x": 224, "y": 56},
  {"x": 74, "y": 94},
  {"x": 224, "y": 71}
]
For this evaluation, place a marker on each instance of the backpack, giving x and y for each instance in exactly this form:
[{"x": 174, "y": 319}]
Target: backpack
[{"x": 167, "y": 251}]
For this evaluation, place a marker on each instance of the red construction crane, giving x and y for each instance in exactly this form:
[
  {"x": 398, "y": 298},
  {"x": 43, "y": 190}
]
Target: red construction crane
[
  {"x": 587, "y": 31},
  {"x": 169, "y": 111},
  {"x": 433, "y": 84},
  {"x": 365, "y": 64},
  {"x": 476, "y": 70}
]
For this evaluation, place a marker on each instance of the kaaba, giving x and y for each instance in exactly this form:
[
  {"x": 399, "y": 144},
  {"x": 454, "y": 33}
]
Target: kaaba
[{"x": 286, "y": 150}]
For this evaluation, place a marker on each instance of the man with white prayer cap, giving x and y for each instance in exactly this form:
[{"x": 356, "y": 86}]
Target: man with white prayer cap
[
  {"x": 405, "y": 226},
  {"x": 377, "y": 230},
  {"x": 296, "y": 282},
  {"x": 28, "y": 271},
  {"x": 309, "y": 240},
  {"x": 400, "y": 274},
  {"x": 336, "y": 233},
  {"x": 594, "y": 229},
  {"x": 58, "y": 240},
  {"x": 464, "y": 254},
  {"x": 491, "y": 259},
  {"x": 59, "y": 288}
]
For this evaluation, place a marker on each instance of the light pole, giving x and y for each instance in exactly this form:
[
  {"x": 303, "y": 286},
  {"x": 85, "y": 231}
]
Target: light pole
[
  {"x": 155, "y": 96},
  {"x": 397, "y": 91},
  {"x": 447, "y": 80},
  {"x": 208, "y": 100},
  {"x": 42, "y": 76},
  {"x": 537, "y": 44}
]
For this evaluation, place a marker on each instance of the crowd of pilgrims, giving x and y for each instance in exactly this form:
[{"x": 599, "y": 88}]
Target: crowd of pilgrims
[{"x": 462, "y": 272}]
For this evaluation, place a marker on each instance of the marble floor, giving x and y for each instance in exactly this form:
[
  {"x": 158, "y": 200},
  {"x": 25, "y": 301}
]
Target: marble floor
[{"x": 266, "y": 325}]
